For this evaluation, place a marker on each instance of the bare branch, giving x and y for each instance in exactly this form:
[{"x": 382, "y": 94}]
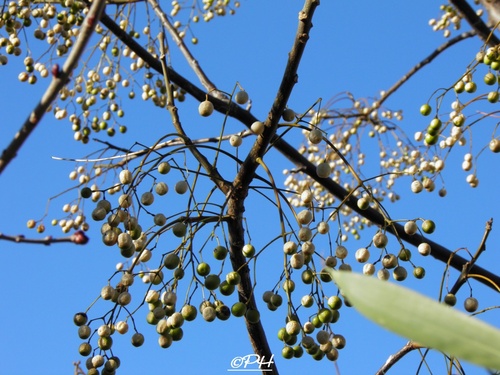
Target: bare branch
[
  {"x": 482, "y": 30},
  {"x": 424, "y": 62},
  {"x": 466, "y": 269},
  {"x": 205, "y": 81},
  {"x": 78, "y": 238},
  {"x": 128, "y": 156},
  {"x": 60, "y": 77},
  {"x": 393, "y": 359},
  {"x": 211, "y": 170}
]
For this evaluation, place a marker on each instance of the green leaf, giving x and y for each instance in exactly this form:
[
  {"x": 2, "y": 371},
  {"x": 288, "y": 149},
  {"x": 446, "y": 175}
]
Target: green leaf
[{"x": 421, "y": 319}]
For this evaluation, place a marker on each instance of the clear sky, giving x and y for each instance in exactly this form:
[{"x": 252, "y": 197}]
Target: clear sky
[{"x": 362, "y": 48}]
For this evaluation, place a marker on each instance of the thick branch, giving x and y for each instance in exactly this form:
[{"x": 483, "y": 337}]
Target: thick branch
[
  {"x": 236, "y": 204},
  {"x": 483, "y": 31},
  {"x": 60, "y": 77}
]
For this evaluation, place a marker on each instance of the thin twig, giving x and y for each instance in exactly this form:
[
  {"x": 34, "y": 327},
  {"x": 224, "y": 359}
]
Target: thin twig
[
  {"x": 424, "y": 62},
  {"x": 127, "y": 157},
  {"x": 393, "y": 359},
  {"x": 211, "y": 170},
  {"x": 78, "y": 238},
  {"x": 60, "y": 77},
  {"x": 205, "y": 81},
  {"x": 464, "y": 275}
]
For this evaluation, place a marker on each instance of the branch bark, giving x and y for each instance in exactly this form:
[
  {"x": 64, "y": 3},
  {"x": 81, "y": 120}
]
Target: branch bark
[
  {"x": 482, "y": 30},
  {"x": 236, "y": 203},
  {"x": 60, "y": 77}
]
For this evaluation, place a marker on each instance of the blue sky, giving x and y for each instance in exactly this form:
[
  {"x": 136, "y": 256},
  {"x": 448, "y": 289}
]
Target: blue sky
[{"x": 362, "y": 48}]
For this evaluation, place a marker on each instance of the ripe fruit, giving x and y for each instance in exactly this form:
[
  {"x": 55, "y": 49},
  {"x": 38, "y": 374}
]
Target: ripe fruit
[
  {"x": 80, "y": 319},
  {"x": 137, "y": 339},
  {"x": 471, "y": 304},
  {"x": 315, "y": 136},
  {"x": 450, "y": 299},
  {"x": 494, "y": 145},
  {"x": 411, "y": 227},
  {"x": 424, "y": 248},
  {"x": 189, "y": 312},
  {"x": 84, "y": 349},
  {"x": 288, "y": 115},
  {"x": 179, "y": 229},
  {"x": 399, "y": 273},
  {"x": 86, "y": 192},
  {"x": 493, "y": 96},
  {"x": 425, "y": 109},
  {"x": 241, "y": 97},
  {"x": 125, "y": 177},
  {"x": 206, "y": 108},
  {"x": 307, "y": 300},
  {"x": 362, "y": 255},
  {"x": 428, "y": 226},
  {"x": 235, "y": 140},
  {"x": 380, "y": 240},
  {"x": 181, "y": 187},
  {"x": 171, "y": 261},
  {"x": 161, "y": 188},
  {"x": 323, "y": 170},
  {"x": 416, "y": 186},
  {"x": 293, "y": 328},
  {"x": 257, "y": 127},
  {"x": 248, "y": 250},
  {"x": 419, "y": 272},
  {"x": 404, "y": 255},
  {"x": 163, "y": 168},
  {"x": 389, "y": 261},
  {"x": 84, "y": 332}
]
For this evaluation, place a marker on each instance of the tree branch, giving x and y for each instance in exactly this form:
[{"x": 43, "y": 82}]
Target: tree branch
[
  {"x": 424, "y": 62},
  {"x": 393, "y": 359},
  {"x": 482, "y": 30},
  {"x": 60, "y": 77},
  {"x": 78, "y": 238},
  {"x": 245, "y": 117},
  {"x": 205, "y": 81},
  {"x": 236, "y": 203},
  {"x": 467, "y": 267}
]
